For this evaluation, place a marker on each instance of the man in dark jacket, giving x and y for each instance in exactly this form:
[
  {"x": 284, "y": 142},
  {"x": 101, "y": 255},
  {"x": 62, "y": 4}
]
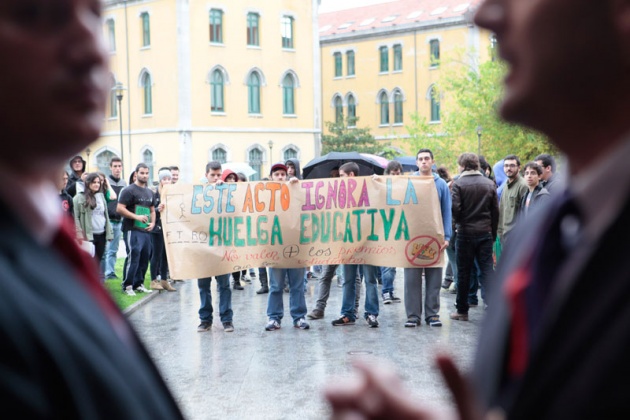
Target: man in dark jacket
[
  {"x": 537, "y": 194},
  {"x": 117, "y": 183},
  {"x": 67, "y": 351},
  {"x": 476, "y": 217}
]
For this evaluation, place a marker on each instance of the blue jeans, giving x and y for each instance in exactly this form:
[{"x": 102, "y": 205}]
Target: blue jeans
[
  {"x": 349, "y": 290},
  {"x": 469, "y": 248},
  {"x": 138, "y": 258},
  {"x": 388, "y": 274},
  {"x": 109, "y": 261},
  {"x": 225, "y": 298},
  {"x": 297, "y": 301},
  {"x": 452, "y": 259}
]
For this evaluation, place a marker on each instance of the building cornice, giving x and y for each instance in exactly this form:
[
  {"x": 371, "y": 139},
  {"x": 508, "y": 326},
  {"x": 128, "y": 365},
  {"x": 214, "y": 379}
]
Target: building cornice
[
  {"x": 243, "y": 130},
  {"x": 366, "y": 34}
]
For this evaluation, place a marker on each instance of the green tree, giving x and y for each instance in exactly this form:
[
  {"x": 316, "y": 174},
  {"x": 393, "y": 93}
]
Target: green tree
[
  {"x": 346, "y": 136},
  {"x": 471, "y": 95}
]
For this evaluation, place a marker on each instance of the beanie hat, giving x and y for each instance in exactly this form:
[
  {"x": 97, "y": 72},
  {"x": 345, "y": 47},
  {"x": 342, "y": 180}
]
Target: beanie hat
[{"x": 164, "y": 173}]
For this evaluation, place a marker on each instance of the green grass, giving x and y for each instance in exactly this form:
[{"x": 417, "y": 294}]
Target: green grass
[{"x": 114, "y": 287}]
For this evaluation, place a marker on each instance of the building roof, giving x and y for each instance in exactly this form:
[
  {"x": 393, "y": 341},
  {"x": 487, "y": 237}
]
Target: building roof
[{"x": 391, "y": 14}]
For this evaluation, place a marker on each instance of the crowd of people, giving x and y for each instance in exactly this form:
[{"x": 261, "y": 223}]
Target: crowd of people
[
  {"x": 106, "y": 209},
  {"x": 554, "y": 342}
]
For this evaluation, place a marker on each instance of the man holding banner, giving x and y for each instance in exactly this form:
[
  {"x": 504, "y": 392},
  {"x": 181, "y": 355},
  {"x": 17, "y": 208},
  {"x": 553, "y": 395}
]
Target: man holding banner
[
  {"x": 348, "y": 308},
  {"x": 277, "y": 277},
  {"x": 432, "y": 275},
  {"x": 213, "y": 175}
]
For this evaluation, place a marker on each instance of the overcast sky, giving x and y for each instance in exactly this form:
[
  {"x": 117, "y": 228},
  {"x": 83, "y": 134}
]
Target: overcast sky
[{"x": 334, "y": 5}]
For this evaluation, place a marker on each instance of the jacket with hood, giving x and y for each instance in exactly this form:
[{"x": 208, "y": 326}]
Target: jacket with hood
[
  {"x": 227, "y": 173},
  {"x": 296, "y": 164},
  {"x": 73, "y": 177}
]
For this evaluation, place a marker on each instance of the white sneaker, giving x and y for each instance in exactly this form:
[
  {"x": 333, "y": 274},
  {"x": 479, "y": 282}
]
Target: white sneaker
[
  {"x": 142, "y": 289},
  {"x": 129, "y": 291}
]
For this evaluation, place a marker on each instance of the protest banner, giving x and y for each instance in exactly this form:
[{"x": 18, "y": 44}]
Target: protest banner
[{"x": 214, "y": 229}]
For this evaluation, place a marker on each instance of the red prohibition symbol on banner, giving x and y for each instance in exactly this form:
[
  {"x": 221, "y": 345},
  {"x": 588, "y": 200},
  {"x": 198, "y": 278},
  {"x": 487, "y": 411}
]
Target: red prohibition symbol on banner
[{"x": 423, "y": 251}]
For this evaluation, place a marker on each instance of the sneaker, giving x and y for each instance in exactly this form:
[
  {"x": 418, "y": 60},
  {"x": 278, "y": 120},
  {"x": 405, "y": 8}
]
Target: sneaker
[
  {"x": 301, "y": 324},
  {"x": 129, "y": 291},
  {"x": 204, "y": 326},
  {"x": 228, "y": 327},
  {"x": 142, "y": 289},
  {"x": 412, "y": 323},
  {"x": 272, "y": 325},
  {"x": 316, "y": 314},
  {"x": 344, "y": 320},
  {"x": 459, "y": 317},
  {"x": 246, "y": 278},
  {"x": 434, "y": 321},
  {"x": 446, "y": 283},
  {"x": 394, "y": 299},
  {"x": 387, "y": 298},
  {"x": 372, "y": 321}
]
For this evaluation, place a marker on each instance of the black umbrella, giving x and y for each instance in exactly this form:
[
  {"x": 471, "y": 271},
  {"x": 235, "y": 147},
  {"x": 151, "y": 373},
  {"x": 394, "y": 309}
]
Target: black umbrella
[
  {"x": 320, "y": 167},
  {"x": 408, "y": 163}
]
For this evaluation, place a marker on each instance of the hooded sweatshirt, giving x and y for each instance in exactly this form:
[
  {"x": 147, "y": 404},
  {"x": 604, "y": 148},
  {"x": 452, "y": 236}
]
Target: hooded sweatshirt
[
  {"x": 227, "y": 173},
  {"x": 296, "y": 164},
  {"x": 74, "y": 177}
]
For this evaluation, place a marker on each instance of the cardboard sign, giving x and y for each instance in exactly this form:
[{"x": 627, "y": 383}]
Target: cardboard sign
[{"x": 388, "y": 221}]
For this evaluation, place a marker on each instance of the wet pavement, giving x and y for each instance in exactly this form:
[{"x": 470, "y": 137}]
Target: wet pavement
[{"x": 254, "y": 374}]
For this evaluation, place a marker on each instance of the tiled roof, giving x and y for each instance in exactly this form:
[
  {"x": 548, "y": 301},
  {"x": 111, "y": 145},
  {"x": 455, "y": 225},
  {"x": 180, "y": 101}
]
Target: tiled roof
[{"x": 390, "y": 14}]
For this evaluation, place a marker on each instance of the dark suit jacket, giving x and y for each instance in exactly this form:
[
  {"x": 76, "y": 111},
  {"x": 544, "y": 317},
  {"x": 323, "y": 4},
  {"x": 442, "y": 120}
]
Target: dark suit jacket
[
  {"x": 580, "y": 366},
  {"x": 59, "y": 355}
]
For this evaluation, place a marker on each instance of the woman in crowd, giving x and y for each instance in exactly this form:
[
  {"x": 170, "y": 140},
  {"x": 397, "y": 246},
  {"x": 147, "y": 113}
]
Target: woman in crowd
[
  {"x": 91, "y": 218},
  {"x": 159, "y": 263}
]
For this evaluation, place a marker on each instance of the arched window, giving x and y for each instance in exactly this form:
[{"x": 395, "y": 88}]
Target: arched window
[
  {"x": 102, "y": 161},
  {"x": 338, "y": 110},
  {"x": 288, "y": 95},
  {"x": 147, "y": 93},
  {"x": 435, "y": 105},
  {"x": 290, "y": 153},
  {"x": 398, "y": 107},
  {"x": 253, "y": 89},
  {"x": 217, "y": 86},
  {"x": 352, "y": 111},
  {"x": 147, "y": 159},
  {"x": 219, "y": 154},
  {"x": 384, "y": 108},
  {"x": 255, "y": 161}
]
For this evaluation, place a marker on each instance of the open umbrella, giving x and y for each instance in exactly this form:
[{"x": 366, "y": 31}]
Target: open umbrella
[
  {"x": 378, "y": 159},
  {"x": 237, "y": 167},
  {"x": 408, "y": 163},
  {"x": 320, "y": 167}
]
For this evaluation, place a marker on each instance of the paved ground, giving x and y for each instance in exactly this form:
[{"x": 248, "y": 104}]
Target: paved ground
[{"x": 254, "y": 374}]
